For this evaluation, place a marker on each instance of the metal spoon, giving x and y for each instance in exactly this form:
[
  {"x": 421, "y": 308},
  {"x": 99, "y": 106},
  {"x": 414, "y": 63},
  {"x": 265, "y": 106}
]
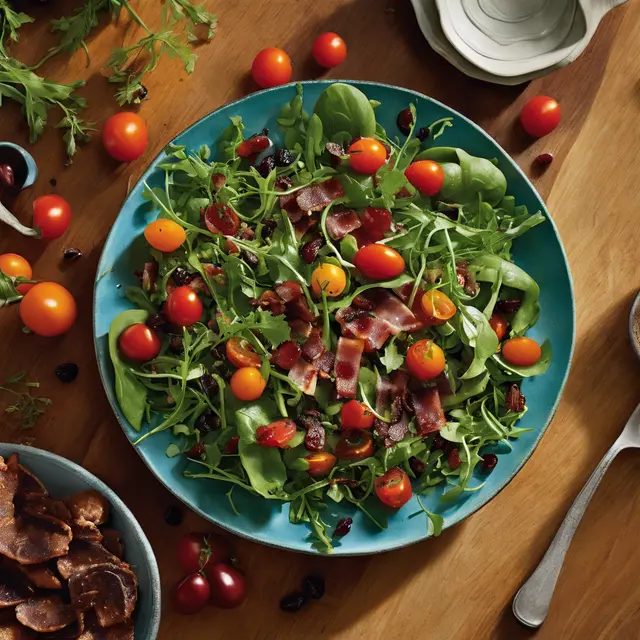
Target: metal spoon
[{"x": 531, "y": 604}]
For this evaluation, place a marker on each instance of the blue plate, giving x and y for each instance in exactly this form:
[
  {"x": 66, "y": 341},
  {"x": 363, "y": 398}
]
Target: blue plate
[
  {"x": 63, "y": 478},
  {"x": 539, "y": 252}
]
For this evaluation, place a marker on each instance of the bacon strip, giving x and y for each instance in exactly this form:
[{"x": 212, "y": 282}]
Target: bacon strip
[
  {"x": 325, "y": 363},
  {"x": 429, "y": 414},
  {"x": 340, "y": 223},
  {"x": 363, "y": 326},
  {"x": 304, "y": 375},
  {"x": 317, "y": 196},
  {"x": 347, "y": 366},
  {"x": 314, "y": 347},
  {"x": 394, "y": 312}
]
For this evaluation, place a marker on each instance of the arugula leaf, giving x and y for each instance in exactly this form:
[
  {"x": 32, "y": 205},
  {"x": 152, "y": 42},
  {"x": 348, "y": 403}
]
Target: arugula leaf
[
  {"x": 391, "y": 359},
  {"x": 274, "y": 328}
]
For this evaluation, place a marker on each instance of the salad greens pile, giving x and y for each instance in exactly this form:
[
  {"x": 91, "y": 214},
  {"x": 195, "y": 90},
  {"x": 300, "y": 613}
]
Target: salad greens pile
[{"x": 458, "y": 242}]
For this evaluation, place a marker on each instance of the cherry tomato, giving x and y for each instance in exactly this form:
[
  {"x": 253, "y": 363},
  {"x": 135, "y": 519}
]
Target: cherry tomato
[
  {"x": 438, "y": 306},
  {"x": 232, "y": 446},
  {"x": 499, "y": 325},
  {"x": 379, "y": 262},
  {"x": 426, "y": 176},
  {"x": 366, "y": 156},
  {"x": 241, "y": 354},
  {"x": 125, "y": 136},
  {"x": 523, "y": 352},
  {"x": 228, "y": 589},
  {"x": 320, "y": 463},
  {"x": 355, "y": 444},
  {"x": 252, "y": 145},
  {"x": 271, "y": 67},
  {"x": 196, "y": 550},
  {"x": 393, "y": 488},
  {"x": 183, "y": 307},
  {"x": 48, "y": 309},
  {"x": 221, "y": 218},
  {"x": 276, "y": 434},
  {"x": 164, "y": 235},
  {"x": 139, "y": 342},
  {"x": 356, "y": 415},
  {"x": 191, "y": 594},
  {"x": 540, "y": 116},
  {"x": 247, "y": 383},
  {"x": 52, "y": 215},
  {"x": 13, "y": 265},
  {"x": 375, "y": 223},
  {"x": 329, "y": 50},
  {"x": 425, "y": 360},
  {"x": 330, "y": 278}
]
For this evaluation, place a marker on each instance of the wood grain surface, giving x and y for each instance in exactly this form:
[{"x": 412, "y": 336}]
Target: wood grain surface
[{"x": 460, "y": 585}]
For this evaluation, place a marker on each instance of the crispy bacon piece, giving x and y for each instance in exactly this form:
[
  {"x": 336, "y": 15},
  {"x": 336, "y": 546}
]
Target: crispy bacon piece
[
  {"x": 466, "y": 279},
  {"x": 298, "y": 309},
  {"x": 286, "y": 355},
  {"x": 271, "y": 301},
  {"x": 149, "y": 276},
  {"x": 429, "y": 414},
  {"x": 340, "y": 223},
  {"x": 317, "y": 196},
  {"x": 304, "y": 375},
  {"x": 347, "y": 366},
  {"x": 304, "y": 224},
  {"x": 289, "y": 204},
  {"x": 393, "y": 311},
  {"x": 300, "y": 328},
  {"x": 515, "y": 401},
  {"x": 289, "y": 290},
  {"x": 324, "y": 364},
  {"x": 314, "y": 347},
  {"x": 362, "y": 325}
]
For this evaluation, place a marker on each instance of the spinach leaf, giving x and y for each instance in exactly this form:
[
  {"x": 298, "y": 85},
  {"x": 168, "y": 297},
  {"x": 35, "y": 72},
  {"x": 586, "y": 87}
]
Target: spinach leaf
[
  {"x": 139, "y": 297},
  {"x": 476, "y": 332},
  {"x": 345, "y": 113},
  {"x": 293, "y": 122}
]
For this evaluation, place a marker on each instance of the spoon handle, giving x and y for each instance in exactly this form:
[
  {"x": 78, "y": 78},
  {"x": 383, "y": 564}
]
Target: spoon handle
[
  {"x": 531, "y": 604},
  {"x": 12, "y": 221}
]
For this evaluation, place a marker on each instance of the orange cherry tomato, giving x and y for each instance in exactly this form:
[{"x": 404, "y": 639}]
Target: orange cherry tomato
[
  {"x": 276, "y": 434},
  {"x": 241, "y": 354},
  {"x": 523, "y": 352},
  {"x": 271, "y": 67},
  {"x": 48, "y": 309},
  {"x": 426, "y": 176},
  {"x": 540, "y": 116},
  {"x": 183, "y": 307},
  {"x": 320, "y": 463},
  {"x": 164, "y": 235},
  {"x": 425, "y": 360},
  {"x": 139, "y": 342},
  {"x": 13, "y": 265},
  {"x": 366, "y": 156},
  {"x": 330, "y": 278},
  {"x": 247, "y": 383},
  {"x": 499, "y": 325},
  {"x": 52, "y": 215},
  {"x": 355, "y": 444},
  {"x": 438, "y": 306},
  {"x": 356, "y": 415},
  {"x": 393, "y": 488},
  {"x": 329, "y": 50},
  {"x": 125, "y": 136},
  {"x": 379, "y": 262}
]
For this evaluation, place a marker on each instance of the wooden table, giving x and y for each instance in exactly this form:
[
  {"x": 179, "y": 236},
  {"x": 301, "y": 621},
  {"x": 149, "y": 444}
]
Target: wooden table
[{"x": 461, "y": 584}]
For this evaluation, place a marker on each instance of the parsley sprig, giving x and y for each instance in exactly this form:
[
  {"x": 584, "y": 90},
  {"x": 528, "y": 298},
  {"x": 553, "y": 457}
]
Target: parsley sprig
[{"x": 26, "y": 409}]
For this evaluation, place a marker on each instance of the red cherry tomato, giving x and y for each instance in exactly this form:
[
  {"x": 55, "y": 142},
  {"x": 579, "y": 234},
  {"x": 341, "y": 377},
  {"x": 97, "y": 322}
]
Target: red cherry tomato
[
  {"x": 191, "y": 594},
  {"x": 271, "y": 67},
  {"x": 426, "y": 176},
  {"x": 196, "y": 550},
  {"x": 247, "y": 384},
  {"x": 329, "y": 50},
  {"x": 375, "y": 223},
  {"x": 139, "y": 342},
  {"x": 52, "y": 215},
  {"x": 48, "y": 309},
  {"x": 183, "y": 307},
  {"x": 125, "y": 136},
  {"x": 13, "y": 265},
  {"x": 232, "y": 446},
  {"x": 241, "y": 354},
  {"x": 228, "y": 589},
  {"x": 393, "y": 488},
  {"x": 522, "y": 352},
  {"x": 379, "y": 262},
  {"x": 320, "y": 463},
  {"x": 425, "y": 360},
  {"x": 540, "y": 116},
  {"x": 355, "y": 444},
  {"x": 499, "y": 325},
  {"x": 276, "y": 434},
  {"x": 221, "y": 218},
  {"x": 252, "y": 145},
  {"x": 366, "y": 156},
  {"x": 356, "y": 415}
]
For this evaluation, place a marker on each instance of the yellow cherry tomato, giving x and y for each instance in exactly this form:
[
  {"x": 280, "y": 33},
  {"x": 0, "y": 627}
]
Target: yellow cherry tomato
[
  {"x": 164, "y": 235},
  {"x": 247, "y": 384},
  {"x": 328, "y": 278}
]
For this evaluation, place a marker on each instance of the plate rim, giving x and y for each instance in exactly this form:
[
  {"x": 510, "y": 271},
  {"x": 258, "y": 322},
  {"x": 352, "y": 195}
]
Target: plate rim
[{"x": 454, "y": 520}]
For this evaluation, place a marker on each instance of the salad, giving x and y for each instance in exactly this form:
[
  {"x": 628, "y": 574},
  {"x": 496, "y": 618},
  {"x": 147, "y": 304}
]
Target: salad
[{"x": 333, "y": 318}]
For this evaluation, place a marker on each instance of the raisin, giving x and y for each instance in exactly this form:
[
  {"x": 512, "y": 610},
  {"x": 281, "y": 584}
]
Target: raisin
[
  {"x": 67, "y": 372},
  {"x": 309, "y": 251},
  {"x": 343, "y": 527},
  {"x": 71, "y": 254},
  {"x": 173, "y": 516},
  {"x": 293, "y": 602},
  {"x": 266, "y": 166}
]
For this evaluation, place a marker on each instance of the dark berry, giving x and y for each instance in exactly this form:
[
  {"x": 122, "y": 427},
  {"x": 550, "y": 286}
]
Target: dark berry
[
  {"x": 207, "y": 421},
  {"x": 293, "y": 602},
  {"x": 181, "y": 276},
  {"x": 283, "y": 158},
  {"x": 404, "y": 121},
  {"x": 489, "y": 462},
  {"x": 309, "y": 251},
  {"x": 67, "y": 372},
  {"x": 209, "y": 384},
  {"x": 269, "y": 225},
  {"x": 417, "y": 466},
  {"x": 173, "y": 515},
  {"x": 266, "y": 166},
  {"x": 175, "y": 344},
  {"x": 71, "y": 254},
  {"x": 544, "y": 159},
  {"x": 283, "y": 183},
  {"x": 313, "y": 587},
  {"x": 343, "y": 527},
  {"x": 250, "y": 258},
  {"x": 454, "y": 459},
  {"x": 158, "y": 322},
  {"x": 509, "y": 306},
  {"x": 438, "y": 443},
  {"x": 423, "y": 134},
  {"x": 53, "y": 182},
  {"x": 197, "y": 451}
]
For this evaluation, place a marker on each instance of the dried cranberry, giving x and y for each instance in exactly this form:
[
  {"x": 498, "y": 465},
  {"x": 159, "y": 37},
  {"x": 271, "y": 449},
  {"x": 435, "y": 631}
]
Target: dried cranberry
[
  {"x": 309, "y": 251},
  {"x": 209, "y": 384},
  {"x": 405, "y": 121},
  {"x": 218, "y": 180},
  {"x": 283, "y": 183},
  {"x": 376, "y": 222},
  {"x": 454, "y": 459},
  {"x": 283, "y": 158},
  {"x": 158, "y": 322},
  {"x": 489, "y": 462},
  {"x": 269, "y": 225},
  {"x": 67, "y": 372},
  {"x": 266, "y": 166},
  {"x": 336, "y": 152},
  {"x": 175, "y": 344},
  {"x": 438, "y": 443},
  {"x": 232, "y": 446},
  {"x": 289, "y": 290},
  {"x": 423, "y": 134},
  {"x": 173, "y": 516},
  {"x": 544, "y": 159},
  {"x": 71, "y": 254},
  {"x": 509, "y": 306},
  {"x": 316, "y": 438},
  {"x": 417, "y": 466},
  {"x": 207, "y": 421},
  {"x": 343, "y": 527},
  {"x": 293, "y": 602},
  {"x": 197, "y": 451},
  {"x": 313, "y": 587},
  {"x": 250, "y": 258},
  {"x": 286, "y": 355},
  {"x": 181, "y": 276},
  {"x": 514, "y": 400}
]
